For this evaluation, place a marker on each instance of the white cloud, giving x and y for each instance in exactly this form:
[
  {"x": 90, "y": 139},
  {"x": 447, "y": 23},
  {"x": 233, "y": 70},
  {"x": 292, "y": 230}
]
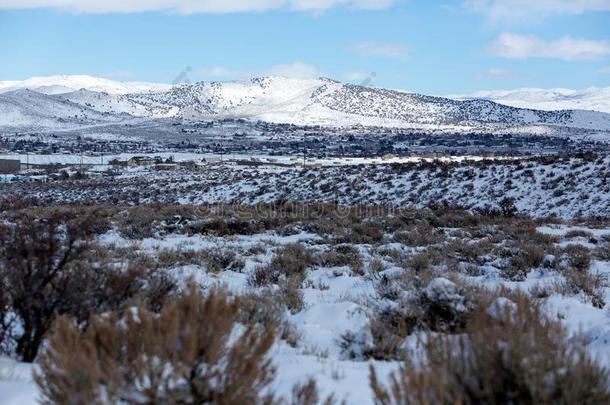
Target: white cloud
[
  {"x": 528, "y": 9},
  {"x": 398, "y": 51},
  {"x": 497, "y": 72},
  {"x": 219, "y": 71},
  {"x": 515, "y": 46},
  {"x": 192, "y": 6},
  {"x": 296, "y": 69}
]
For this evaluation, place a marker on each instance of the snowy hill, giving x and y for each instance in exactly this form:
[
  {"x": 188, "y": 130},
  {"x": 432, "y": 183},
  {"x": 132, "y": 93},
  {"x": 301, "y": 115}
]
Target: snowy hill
[
  {"x": 27, "y": 108},
  {"x": 592, "y": 98},
  {"x": 321, "y": 101},
  {"x": 69, "y": 83}
]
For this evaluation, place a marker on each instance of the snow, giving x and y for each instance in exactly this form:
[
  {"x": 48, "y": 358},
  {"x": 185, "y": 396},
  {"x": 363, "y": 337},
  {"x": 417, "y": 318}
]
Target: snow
[
  {"x": 322, "y": 101},
  {"x": 16, "y": 383},
  {"x": 444, "y": 291},
  {"x": 68, "y": 83},
  {"x": 592, "y": 98},
  {"x": 343, "y": 304}
]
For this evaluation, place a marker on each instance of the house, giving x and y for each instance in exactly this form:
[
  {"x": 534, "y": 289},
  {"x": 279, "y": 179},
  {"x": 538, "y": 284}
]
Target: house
[
  {"x": 10, "y": 166},
  {"x": 140, "y": 161},
  {"x": 212, "y": 160},
  {"x": 116, "y": 163}
]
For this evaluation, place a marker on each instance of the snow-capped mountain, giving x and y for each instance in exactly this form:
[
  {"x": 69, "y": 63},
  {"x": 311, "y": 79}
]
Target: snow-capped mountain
[
  {"x": 272, "y": 99},
  {"x": 69, "y": 83},
  {"x": 592, "y": 98}
]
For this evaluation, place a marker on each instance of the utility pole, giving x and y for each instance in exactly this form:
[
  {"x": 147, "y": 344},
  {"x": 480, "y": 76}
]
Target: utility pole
[{"x": 304, "y": 150}]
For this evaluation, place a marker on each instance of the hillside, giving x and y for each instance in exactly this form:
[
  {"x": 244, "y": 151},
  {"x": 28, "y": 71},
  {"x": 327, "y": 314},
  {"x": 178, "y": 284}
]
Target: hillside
[{"x": 321, "y": 101}]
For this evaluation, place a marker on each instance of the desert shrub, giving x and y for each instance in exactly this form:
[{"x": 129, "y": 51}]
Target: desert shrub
[
  {"x": 366, "y": 232},
  {"x": 290, "y": 260},
  {"x": 266, "y": 308},
  {"x": 222, "y": 259},
  {"x": 602, "y": 252},
  {"x": 138, "y": 222},
  {"x": 590, "y": 284},
  {"x": 579, "y": 278},
  {"x": 261, "y": 308},
  {"x": 420, "y": 235},
  {"x": 419, "y": 263},
  {"x": 168, "y": 258},
  {"x": 50, "y": 267},
  {"x": 523, "y": 258},
  {"x": 578, "y": 233},
  {"x": 343, "y": 255},
  {"x": 376, "y": 265},
  {"x": 389, "y": 327},
  {"x": 291, "y": 295},
  {"x": 442, "y": 306},
  {"x": 185, "y": 354},
  {"x": 307, "y": 394},
  {"x": 462, "y": 251},
  {"x": 578, "y": 257},
  {"x": 510, "y": 353},
  {"x": 388, "y": 288}
]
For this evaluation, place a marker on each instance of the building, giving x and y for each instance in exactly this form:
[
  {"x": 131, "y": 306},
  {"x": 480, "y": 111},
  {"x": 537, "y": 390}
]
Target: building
[
  {"x": 141, "y": 161},
  {"x": 212, "y": 160},
  {"x": 10, "y": 166}
]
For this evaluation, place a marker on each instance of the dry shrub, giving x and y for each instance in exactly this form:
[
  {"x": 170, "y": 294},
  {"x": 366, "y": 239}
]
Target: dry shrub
[
  {"x": 291, "y": 294},
  {"x": 578, "y": 233},
  {"x": 291, "y": 260},
  {"x": 376, "y": 266},
  {"x": 419, "y": 263},
  {"x": 138, "y": 222},
  {"x": 524, "y": 257},
  {"x": 366, "y": 232},
  {"x": 388, "y": 327},
  {"x": 515, "y": 356},
  {"x": 168, "y": 258},
  {"x": 420, "y": 235},
  {"x": 575, "y": 267},
  {"x": 343, "y": 255},
  {"x": 186, "y": 354},
  {"x": 602, "y": 252},
  {"x": 590, "y": 284},
  {"x": 266, "y": 309},
  {"x": 50, "y": 267},
  {"x": 442, "y": 306},
  {"x": 578, "y": 257},
  {"x": 462, "y": 251},
  {"x": 307, "y": 394}
]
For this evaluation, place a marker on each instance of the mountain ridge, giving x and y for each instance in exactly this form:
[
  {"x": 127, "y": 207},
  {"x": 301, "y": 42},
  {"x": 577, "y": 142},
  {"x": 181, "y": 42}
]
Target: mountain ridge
[{"x": 273, "y": 99}]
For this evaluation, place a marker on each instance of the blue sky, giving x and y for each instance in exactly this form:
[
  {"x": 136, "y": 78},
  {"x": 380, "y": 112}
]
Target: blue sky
[{"x": 435, "y": 47}]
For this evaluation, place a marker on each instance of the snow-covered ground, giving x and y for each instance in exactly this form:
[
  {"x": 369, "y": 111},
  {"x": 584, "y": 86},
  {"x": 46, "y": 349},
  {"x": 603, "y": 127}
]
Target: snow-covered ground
[
  {"x": 592, "y": 98},
  {"x": 567, "y": 188},
  {"x": 340, "y": 299},
  {"x": 68, "y": 83}
]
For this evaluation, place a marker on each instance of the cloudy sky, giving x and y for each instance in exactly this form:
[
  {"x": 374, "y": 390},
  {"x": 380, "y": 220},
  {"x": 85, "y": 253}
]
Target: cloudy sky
[{"x": 433, "y": 46}]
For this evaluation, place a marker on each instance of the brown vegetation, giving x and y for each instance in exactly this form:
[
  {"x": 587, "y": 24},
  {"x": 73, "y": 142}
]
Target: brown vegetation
[{"x": 517, "y": 356}]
